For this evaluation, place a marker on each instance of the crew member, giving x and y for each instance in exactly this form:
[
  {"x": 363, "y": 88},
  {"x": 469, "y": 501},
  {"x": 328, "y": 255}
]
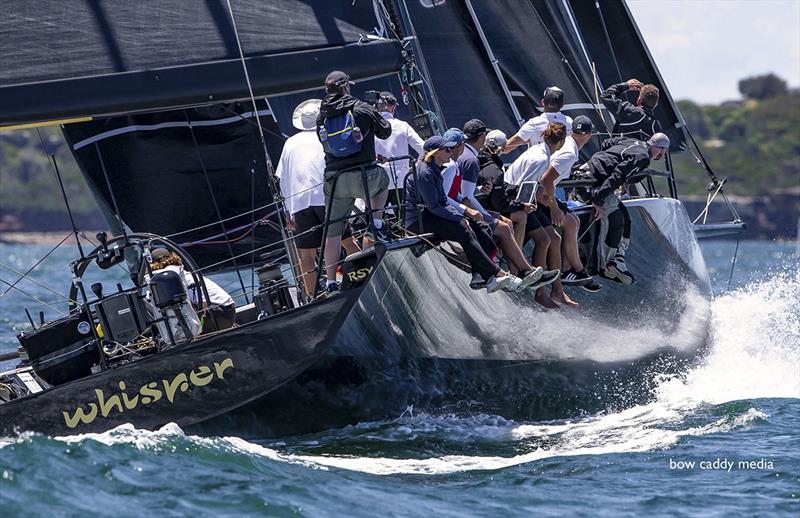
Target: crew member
[
  {"x": 531, "y": 132},
  {"x": 548, "y": 163},
  {"x": 446, "y": 221},
  {"x": 633, "y": 120},
  {"x": 611, "y": 168},
  {"x": 397, "y": 144},
  {"x": 221, "y": 310},
  {"x": 301, "y": 171},
  {"x": 359, "y": 125},
  {"x": 465, "y": 157}
]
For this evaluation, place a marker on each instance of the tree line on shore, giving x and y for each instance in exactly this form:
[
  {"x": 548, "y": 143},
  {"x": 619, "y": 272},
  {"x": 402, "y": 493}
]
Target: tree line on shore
[{"x": 755, "y": 142}]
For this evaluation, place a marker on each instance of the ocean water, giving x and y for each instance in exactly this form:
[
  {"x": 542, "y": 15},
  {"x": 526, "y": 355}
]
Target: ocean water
[{"x": 722, "y": 439}]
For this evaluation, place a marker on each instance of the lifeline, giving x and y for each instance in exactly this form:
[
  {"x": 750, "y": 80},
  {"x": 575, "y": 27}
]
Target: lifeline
[{"x": 149, "y": 392}]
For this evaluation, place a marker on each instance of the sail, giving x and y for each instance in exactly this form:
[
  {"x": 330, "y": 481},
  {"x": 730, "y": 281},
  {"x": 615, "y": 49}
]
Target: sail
[
  {"x": 171, "y": 172},
  {"x": 82, "y": 58},
  {"x": 616, "y": 46},
  {"x": 537, "y": 46},
  {"x": 460, "y": 71}
]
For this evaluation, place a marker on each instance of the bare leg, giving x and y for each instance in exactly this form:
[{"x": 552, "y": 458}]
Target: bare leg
[
  {"x": 379, "y": 202},
  {"x": 308, "y": 268},
  {"x": 519, "y": 218},
  {"x": 570, "y": 242},
  {"x": 350, "y": 246},
  {"x": 541, "y": 242},
  {"x": 554, "y": 260},
  {"x": 333, "y": 247},
  {"x": 510, "y": 248}
]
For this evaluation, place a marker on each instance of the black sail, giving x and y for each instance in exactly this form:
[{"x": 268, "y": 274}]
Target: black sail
[
  {"x": 163, "y": 183},
  {"x": 620, "y": 53},
  {"x": 79, "y": 58}
]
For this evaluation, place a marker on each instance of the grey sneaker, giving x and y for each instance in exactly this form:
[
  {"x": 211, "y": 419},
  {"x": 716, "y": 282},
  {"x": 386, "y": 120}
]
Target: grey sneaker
[
  {"x": 477, "y": 282},
  {"x": 547, "y": 277},
  {"x": 617, "y": 271},
  {"x": 532, "y": 277}
]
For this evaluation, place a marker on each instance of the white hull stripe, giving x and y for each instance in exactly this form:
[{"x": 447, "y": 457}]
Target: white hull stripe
[{"x": 175, "y": 124}]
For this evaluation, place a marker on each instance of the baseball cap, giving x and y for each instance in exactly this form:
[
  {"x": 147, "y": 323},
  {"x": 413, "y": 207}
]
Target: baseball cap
[
  {"x": 553, "y": 95},
  {"x": 582, "y": 125},
  {"x": 474, "y": 128},
  {"x": 389, "y": 97},
  {"x": 338, "y": 79},
  {"x": 455, "y": 135},
  {"x": 437, "y": 142},
  {"x": 158, "y": 253},
  {"x": 659, "y": 140}
]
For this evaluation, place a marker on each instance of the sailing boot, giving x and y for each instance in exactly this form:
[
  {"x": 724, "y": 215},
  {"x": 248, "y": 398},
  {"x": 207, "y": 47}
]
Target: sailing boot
[{"x": 617, "y": 263}]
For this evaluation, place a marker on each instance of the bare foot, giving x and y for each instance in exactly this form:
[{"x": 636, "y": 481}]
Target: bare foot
[
  {"x": 563, "y": 298},
  {"x": 544, "y": 300}
]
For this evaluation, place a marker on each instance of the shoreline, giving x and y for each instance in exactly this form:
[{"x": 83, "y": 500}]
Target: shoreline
[{"x": 51, "y": 238}]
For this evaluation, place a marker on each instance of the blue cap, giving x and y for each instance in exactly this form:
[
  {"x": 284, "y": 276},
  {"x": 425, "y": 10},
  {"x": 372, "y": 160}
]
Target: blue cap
[
  {"x": 438, "y": 142},
  {"x": 455, "y": 135}
]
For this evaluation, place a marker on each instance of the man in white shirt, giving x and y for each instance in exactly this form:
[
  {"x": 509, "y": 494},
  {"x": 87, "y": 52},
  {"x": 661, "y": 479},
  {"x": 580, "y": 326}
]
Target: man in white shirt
[
  {"x": 402, "y": 138},
  {"x": 556, "y": 211},
  {"x": 301, "y": 171},
  {"x": 531, "y": 132}
]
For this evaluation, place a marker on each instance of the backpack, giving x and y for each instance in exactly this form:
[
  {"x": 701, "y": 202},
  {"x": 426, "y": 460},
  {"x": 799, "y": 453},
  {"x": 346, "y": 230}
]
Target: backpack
[{"x": 340, "y": 136}]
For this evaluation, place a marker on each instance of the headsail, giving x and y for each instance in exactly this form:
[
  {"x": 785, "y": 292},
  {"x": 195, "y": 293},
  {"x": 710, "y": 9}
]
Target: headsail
[{"x": 615, "y": 45}]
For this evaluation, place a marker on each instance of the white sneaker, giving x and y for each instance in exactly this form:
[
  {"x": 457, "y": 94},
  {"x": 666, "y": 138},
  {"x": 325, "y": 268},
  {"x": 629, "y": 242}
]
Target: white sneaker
[
  {"x": 506, "y": 283},
  {"x": 531, "y": 278}
]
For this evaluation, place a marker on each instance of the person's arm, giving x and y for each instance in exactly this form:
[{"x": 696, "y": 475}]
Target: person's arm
[
  {"x": 429, "y": 195},
  {"x": 612, "y": 99},
  {"x": 414, "y": 140},
  {"x": 630, "y": 165},
  {"x": 470, "y": 171},
  {"x": 524, "y": 134},
  {"x": 548, "y": 184},
  {"x": 380, "y": 125}
]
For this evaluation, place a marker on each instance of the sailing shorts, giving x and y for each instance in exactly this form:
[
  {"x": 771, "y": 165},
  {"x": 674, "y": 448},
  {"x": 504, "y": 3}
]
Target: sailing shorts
[
  {"x": 543, "y": 212},
  {"x": 305, "y": 221},
  {"x": 349, "y": 186}
]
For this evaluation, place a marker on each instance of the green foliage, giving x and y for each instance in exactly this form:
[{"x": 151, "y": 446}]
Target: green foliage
[
  {"x": 755, "y": 143},
  {"x": 27, "y": 178},
  {"x": 762, "y": 87}
]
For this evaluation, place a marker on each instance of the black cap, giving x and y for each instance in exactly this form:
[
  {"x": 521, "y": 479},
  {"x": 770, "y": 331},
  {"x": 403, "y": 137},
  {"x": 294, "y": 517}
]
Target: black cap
[
  {"x": 438, "y": 142},
  {"x": 553, "y": 95},
  {"x": 474, "y": 128},
  {"x": 337, "y": 79},
  {"x": 388, "y": 97},
  {"x": 582, "y": 125}
]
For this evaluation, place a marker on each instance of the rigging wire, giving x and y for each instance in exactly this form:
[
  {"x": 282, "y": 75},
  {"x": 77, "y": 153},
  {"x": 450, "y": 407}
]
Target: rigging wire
[
  {"x": 51, "y": 290},
  {"x": 270, "y": 170},
  {"x": 29, "y": 270},
  {"x": 34, "y": 297},
  {"x": 211, "y": 192}
]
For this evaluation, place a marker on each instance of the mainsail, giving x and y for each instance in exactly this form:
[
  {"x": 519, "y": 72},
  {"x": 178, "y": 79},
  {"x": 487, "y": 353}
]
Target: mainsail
[{"x": 85, "y": 58}]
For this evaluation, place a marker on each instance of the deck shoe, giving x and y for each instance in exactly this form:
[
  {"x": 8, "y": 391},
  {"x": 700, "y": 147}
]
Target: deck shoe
[
  {"x": 573, "y": 278},
  {"x": 619, "y": 271},
  {"x": 530, "y": 277},
  {"x": 592, "y": 286},
  {"x": 506, "y": 283},
  {"x": 477, "y": 282},
  {"x": 548, "y": 276}
]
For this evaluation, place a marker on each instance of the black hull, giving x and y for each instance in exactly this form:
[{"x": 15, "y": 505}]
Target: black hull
[
  {"x": 419, "y": 337},
  {"x": 191, "y": 383}
]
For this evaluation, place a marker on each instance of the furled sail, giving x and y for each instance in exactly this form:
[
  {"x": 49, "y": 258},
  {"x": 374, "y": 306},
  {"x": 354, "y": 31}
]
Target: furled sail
[{"x": 86, "y": 58}]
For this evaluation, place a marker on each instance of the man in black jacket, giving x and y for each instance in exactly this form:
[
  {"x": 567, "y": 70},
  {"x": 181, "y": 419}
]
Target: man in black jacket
[
  {"x": 633, "y": 120},
  {"x": 347, "y": 169},
  {"x": 620, "y": 158}
]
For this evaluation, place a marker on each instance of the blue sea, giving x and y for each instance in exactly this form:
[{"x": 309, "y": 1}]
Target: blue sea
[{"x": 722, "y": 439}]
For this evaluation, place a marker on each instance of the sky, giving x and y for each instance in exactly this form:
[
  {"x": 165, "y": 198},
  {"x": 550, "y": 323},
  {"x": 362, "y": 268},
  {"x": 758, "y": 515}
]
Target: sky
[{"x": 704, "y": 47}]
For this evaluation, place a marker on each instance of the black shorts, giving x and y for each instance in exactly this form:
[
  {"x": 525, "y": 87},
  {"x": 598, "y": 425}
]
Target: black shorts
[
  {"x": 307, "y": 219},
  {"x": 532, "y": 222},
  {"x": 543, "y": 212}
]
